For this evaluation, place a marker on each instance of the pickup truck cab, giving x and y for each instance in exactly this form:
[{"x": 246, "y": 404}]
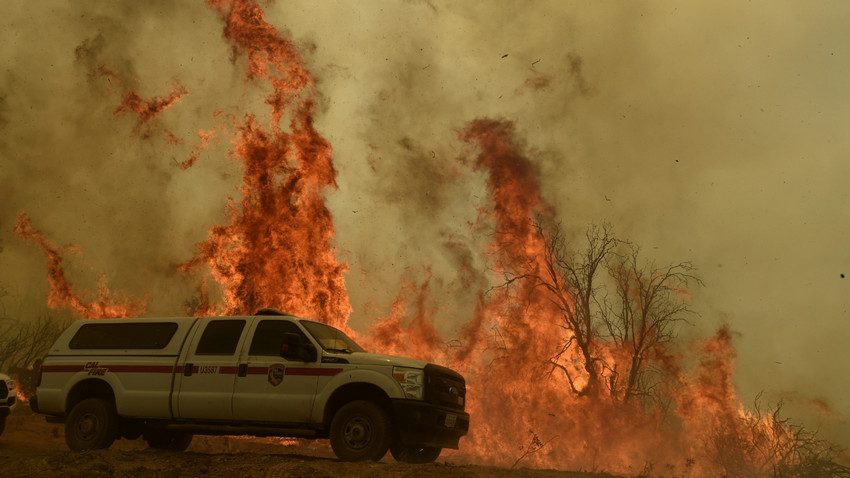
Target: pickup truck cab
[{"x": 270, "y": 374}]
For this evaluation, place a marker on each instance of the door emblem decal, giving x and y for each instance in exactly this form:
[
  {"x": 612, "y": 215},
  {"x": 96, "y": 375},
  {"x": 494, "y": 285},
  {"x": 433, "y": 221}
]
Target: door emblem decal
[{"x": 276, "y": 374}]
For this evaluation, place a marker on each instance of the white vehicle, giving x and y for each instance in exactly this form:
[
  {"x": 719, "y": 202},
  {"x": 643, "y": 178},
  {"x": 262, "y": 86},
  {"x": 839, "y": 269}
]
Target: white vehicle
[
  {"x": 271, "y": 374},
  {"x": 8, "y": 395}
]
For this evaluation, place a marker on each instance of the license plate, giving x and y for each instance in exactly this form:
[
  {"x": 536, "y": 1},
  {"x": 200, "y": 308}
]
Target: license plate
[{"x": 451, "y": 420}]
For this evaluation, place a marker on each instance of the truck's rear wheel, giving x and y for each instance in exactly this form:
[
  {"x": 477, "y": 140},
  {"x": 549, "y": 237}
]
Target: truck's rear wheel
[
  {"x": 168, "y": 439},
  {"x": 360, "y": 431},
  {"x": 92, "y": 424},
  {"x": 415, "y": 454}
]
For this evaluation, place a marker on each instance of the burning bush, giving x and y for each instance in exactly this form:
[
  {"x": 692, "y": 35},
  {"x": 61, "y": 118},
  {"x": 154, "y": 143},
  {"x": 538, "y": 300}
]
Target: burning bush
[{"x": 23, "y": 344}]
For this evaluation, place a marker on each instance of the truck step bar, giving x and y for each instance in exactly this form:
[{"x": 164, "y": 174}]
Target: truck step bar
[{"x": 258, "y": 431}]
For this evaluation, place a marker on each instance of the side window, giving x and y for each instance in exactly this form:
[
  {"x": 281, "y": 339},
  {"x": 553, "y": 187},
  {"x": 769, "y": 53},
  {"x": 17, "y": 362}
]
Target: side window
[
  {"x": 220, "y": 337},
  {"x": 269, "y": 335},
  {"x": 123, "y": 335}
]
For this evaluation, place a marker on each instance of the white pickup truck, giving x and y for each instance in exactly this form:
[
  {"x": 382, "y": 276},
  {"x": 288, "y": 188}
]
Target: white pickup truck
[
  {"x": 8, "y": 395},
  {"x": 270, "y": 374}
]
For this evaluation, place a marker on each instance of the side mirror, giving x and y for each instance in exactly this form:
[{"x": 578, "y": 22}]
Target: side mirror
[{"x": 294, "y": 347}]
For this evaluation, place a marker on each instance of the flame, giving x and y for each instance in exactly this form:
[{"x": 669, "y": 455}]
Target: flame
[
  {"x": 62, "y": 293},
  {"x": 205, "y": 138},
  {"x": 20, "y": 394},
  {"x": 531, "y": 400},
  {"x": 277, "y": 248},
  {"x": 418, "y": 338},
  {"x": 146, "y": 110},
  {"x": 523, "y": 409}
]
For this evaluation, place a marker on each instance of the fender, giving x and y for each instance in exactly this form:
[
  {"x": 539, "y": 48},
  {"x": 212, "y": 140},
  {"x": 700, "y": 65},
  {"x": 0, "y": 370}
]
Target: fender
[
  {"x": 54, "y": 400},
  {"x": 140, "y": 390},
  {"x": 354, "y": 375},
  {"x": 79, "y": 377}
]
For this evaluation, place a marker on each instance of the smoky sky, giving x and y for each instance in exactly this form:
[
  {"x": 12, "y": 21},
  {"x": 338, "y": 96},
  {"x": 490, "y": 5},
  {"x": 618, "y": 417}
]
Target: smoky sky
[{"x": 712, "y": 133}]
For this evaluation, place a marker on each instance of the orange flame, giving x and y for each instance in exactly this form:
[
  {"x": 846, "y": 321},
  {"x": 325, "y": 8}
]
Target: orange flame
[
  {"x": 20, "y": 394},
  {"x": 522, "y": 407},
  {"x": 205, "y": 138},
  {"x": 62, "y": 294},
  {"x": 146, "y": 110},
  {"x": 277, "y": 250}
]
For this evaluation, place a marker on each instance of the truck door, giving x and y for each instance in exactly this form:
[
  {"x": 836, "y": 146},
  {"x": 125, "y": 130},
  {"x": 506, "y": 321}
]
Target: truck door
[
  {"x": 205, "y": 378},
  {"x": 268, "y": 387}
]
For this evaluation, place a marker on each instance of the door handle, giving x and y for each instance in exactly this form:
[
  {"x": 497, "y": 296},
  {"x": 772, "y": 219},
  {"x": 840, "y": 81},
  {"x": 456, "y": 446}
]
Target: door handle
[
  {"x": 187, "y": 370},
  {"x": 242, "y": 370}
]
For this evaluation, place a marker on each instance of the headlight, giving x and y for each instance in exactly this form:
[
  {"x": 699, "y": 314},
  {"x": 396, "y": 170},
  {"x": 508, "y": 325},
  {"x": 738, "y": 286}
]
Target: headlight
[{"x": 412, "y": 381}]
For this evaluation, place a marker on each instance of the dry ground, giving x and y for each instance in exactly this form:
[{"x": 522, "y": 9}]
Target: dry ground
[{"x": 31, "y": 447}]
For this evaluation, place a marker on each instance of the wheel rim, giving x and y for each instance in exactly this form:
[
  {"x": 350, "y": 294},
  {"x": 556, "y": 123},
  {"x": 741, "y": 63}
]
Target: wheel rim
[
  {"x": 87, "y": 426},
  {"x": 357, "y": 433}
]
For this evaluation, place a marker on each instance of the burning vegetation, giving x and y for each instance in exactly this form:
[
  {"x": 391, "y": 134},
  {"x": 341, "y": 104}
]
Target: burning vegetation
[{"x": 570, "y": 353}]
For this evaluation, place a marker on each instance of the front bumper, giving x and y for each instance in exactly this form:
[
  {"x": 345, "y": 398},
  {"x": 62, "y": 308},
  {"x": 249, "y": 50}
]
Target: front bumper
[{"x": 424, "y": 424}]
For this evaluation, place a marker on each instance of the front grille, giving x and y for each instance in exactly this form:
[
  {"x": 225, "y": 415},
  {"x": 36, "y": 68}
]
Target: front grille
[
  {"x": 4, "y": 390},
  {"x": 444, "y": 387}
]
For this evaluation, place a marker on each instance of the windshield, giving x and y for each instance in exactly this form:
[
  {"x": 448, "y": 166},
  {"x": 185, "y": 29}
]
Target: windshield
[{"x": 331, "y": 339}]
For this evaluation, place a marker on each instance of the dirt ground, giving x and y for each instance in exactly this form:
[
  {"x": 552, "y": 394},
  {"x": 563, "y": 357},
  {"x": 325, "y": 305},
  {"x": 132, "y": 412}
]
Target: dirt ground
[{"x": 31, "y": 447}]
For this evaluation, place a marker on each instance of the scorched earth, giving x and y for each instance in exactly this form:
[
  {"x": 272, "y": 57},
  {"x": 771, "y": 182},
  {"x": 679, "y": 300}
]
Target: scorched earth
[{"x": 31, "y": 447}]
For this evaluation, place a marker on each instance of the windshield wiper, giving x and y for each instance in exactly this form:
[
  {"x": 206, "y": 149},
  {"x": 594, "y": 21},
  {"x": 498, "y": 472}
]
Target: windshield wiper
[{"x": 341, "y": 351}]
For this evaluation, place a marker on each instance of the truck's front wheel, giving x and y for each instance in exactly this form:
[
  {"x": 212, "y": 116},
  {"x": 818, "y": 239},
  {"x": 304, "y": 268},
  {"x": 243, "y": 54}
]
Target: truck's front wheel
[
  {"x": 415, "y": 454},
  {"x": 360, "y": 431},
  {"x": 92, "y": 424}
]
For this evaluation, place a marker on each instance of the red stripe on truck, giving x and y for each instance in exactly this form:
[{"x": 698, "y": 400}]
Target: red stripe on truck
[
  {"x": 296, "y": 371},
  {"x": 300, "y": 371},
  {"x": 108, "y": 368},
  {"x": 111, "y": 368},
  {"x": 141, "y": 368},
  {"x": 321, "y": 372},
  {"x": 62, "y": 368}
]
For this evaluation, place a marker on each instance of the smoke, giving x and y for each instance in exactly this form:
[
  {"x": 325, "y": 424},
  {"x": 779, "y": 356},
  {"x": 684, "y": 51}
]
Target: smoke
[
  {"x": 709, "y": 133},
  {"x": 94, "y": 174}
]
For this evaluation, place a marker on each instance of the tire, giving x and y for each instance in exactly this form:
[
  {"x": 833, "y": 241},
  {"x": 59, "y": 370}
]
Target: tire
[
  {"x": 415, "y": 454},
  {"x": 168, "y": 440},
  {"x": 360, "y": 431},
  {"x": 131, "y": 429},
  {"x": 91, "y": 425}
]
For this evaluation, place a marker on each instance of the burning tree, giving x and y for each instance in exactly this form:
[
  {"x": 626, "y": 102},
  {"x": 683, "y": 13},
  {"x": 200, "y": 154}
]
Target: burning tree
[
  {"x": 641, "y": 321},
  {"x": 570, "y": 281},
  {"x": 611, "y": 341}
]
